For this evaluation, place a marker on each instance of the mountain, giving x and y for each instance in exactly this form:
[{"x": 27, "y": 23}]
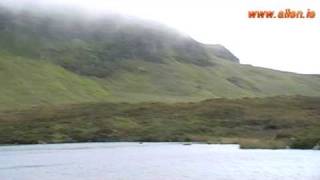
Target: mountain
[{"x": 60, "y": 57}]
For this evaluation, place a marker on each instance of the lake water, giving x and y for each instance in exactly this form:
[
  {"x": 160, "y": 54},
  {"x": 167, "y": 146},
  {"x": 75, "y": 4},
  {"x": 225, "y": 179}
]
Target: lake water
[{"x": 153, "y": 161}]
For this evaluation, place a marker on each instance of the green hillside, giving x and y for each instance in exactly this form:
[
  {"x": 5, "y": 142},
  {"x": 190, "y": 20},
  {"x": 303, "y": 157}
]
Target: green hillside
[
  {"x": 178, "y": 81},
  {"x": 27, "y": 82},
  {"x": 70, "y": 57}
]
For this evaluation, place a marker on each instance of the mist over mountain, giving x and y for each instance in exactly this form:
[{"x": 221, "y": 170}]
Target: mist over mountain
[
  {"x": 71, "y": 56},
  {"x": 97, "y": 42}
]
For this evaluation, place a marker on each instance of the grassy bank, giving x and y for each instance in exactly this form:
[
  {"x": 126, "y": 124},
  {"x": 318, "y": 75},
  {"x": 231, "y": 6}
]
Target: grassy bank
[{"x": 274, "y": 122}]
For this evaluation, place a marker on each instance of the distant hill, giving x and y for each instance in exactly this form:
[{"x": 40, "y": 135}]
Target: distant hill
[{"x": 72, "y": 57}]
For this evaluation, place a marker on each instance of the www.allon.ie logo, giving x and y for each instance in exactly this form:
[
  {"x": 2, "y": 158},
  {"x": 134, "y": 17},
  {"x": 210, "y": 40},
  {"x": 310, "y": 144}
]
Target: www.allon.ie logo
[{"x": 282, "y": 14}]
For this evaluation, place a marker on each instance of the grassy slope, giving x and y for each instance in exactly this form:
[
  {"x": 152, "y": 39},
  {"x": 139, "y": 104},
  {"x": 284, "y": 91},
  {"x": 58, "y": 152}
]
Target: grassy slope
[
  {"x": 176, "y": 81},
  {"x": 28, "y": 82},
  {"x": 253, "y": 122}
]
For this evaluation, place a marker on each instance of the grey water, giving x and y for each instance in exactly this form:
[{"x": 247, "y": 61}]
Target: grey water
[{"x": 155, "y": 161}]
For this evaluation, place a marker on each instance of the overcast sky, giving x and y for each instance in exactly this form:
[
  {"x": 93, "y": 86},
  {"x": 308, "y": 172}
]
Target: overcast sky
[{"x": 290, "y": 45}]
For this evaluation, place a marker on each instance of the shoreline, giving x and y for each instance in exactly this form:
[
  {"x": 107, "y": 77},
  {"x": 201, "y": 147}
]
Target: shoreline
[{"x": 241, "y": 147}]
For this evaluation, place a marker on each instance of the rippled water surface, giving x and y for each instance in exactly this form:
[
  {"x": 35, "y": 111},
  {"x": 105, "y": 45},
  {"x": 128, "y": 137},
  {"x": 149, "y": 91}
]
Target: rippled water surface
[{"x": 153, "y": 161}]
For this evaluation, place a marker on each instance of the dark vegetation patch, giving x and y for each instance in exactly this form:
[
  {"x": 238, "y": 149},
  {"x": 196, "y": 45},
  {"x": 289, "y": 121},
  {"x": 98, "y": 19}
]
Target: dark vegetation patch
[
  {"x": 244, "y": 84},
  {"x": 274, "y": 122}
]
